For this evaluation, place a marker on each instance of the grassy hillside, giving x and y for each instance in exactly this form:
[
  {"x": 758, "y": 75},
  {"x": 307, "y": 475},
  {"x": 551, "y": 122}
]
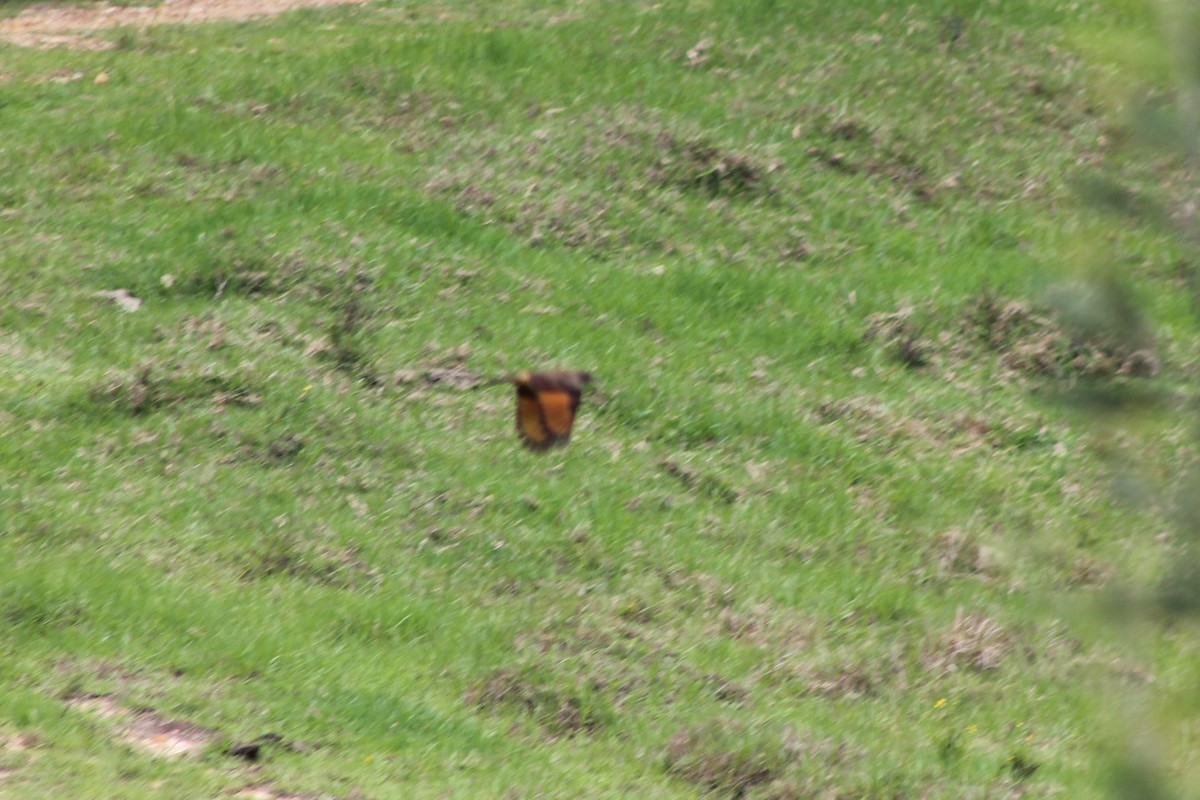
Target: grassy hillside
[{"x": 820, "y": 521}]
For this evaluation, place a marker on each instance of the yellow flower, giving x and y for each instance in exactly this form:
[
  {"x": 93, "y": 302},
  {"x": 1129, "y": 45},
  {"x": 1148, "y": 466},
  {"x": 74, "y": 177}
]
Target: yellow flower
[
  {"x": 941, "y": 703},
  {"x": 972, "y": 728}
]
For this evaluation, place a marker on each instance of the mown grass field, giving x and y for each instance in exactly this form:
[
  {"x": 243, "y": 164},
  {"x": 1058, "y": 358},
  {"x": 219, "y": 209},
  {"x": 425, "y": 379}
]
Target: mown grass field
[{"x": 822, "y": 522}]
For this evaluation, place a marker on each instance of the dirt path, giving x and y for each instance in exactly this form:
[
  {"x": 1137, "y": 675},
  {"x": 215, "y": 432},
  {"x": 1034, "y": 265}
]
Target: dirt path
[{"x": 51, "y": 25}]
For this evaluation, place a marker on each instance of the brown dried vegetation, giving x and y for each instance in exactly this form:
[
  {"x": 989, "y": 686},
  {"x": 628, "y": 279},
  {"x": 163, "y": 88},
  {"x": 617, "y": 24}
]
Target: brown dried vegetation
[
  {"x": 725, "y": 757},
  {"x": 286, "y": 553},
  {"x": 1028, "y": 341},
  {"x": 695, "y": 481},
  {"x": 900, "y": 335},
  {"x": 876, "y": 422},
  {"x": 695, "y": 164},
  {"x": 558, "y": 711},
  {"x": 1039, "y": 342},
  {"x": 975, "y": 641},
  {"x": 47, "y": 25},
  {"x": 958, "y": 553},
  {"x": 153, "y": 387},
  {"x": 851, "y": 147},
  {"x": 147, "y": 729}
]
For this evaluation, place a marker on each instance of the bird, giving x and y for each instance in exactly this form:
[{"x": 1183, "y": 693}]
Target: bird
[{"x": 546, "y": 406}]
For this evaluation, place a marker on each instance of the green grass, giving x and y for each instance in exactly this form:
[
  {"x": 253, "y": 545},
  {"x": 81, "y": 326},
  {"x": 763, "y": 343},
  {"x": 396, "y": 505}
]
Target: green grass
[{"x": 777, "y": 560}]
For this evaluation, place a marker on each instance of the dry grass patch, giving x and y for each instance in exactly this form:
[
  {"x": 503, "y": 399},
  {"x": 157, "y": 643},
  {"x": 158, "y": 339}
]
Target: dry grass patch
[
  {"x": 1030, "y": 341},
  {"x": 855, "y": 677},
  {"x": 153, "y": 387},
  {"x": 728, "y": 758},
  {"x": 559, "y": 711},
  {"x": 899, "y": 334},
  {"x": 975, "y": 641},
  {"x": 725, "y": 757},
  {"x": 1035, "y": 341},
  {"x": 698, "y": 483},
  {"x": 266, "y": 792},
  {"x": 959, "y": 553},
  {"x": 698, "y": 165},
  {"x": 46, "y": 25},
  {"x": 288, "y": 553},
  {"x": 852, "y": 147},
  {"x": 14, "y": 753},
  {"x": 871, "y": 421},
  {"x": 146, "y": 729}
]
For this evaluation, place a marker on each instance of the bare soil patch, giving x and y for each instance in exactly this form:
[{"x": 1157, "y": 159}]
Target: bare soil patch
[
  {"x": 146, "y": 729},
  {"x": 14, "y": 753},
  {"x": 266, "y": 792},
  {"x": 50, "y": 25}
]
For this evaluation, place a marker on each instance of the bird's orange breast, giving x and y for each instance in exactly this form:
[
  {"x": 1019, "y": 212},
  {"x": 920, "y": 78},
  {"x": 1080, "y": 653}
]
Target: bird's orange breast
[{"x": 546, "y": 406}]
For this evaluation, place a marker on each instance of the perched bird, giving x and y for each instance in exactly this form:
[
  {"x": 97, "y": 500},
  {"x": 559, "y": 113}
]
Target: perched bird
[{"x": 546, "y": 406}]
